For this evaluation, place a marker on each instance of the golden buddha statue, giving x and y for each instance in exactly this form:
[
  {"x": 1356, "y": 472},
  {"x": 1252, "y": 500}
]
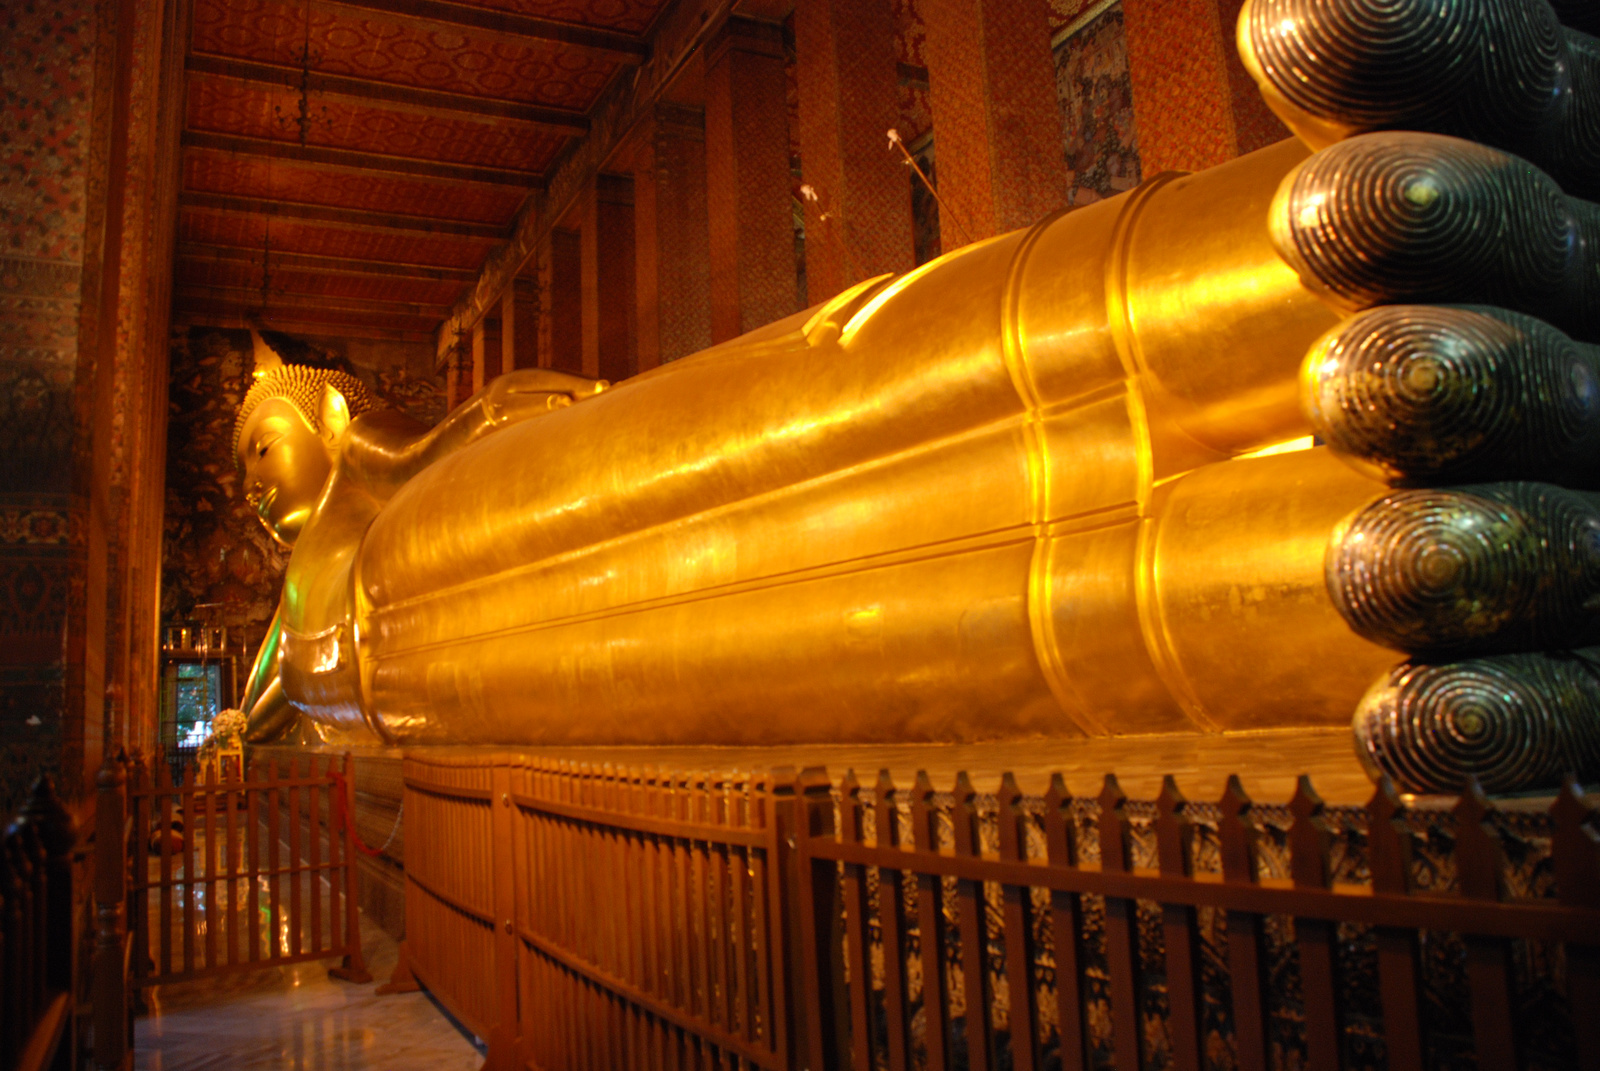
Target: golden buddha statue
[{"x": 1058, "y": 482}]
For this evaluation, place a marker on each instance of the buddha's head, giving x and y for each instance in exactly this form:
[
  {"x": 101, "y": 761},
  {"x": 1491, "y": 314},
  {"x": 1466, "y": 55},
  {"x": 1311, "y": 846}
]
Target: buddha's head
[{"x": 285, "y": 439}]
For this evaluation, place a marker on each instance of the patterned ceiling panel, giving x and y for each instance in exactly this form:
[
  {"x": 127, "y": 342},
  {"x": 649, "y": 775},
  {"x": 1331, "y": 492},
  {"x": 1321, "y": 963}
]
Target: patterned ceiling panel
[
  {"x": 206, "y": 171},
  {"x": 247, "y": 276},
  {"x": 629, "y": 16},
  {"x": 402, "y": 51},
  {"x": 206, "y": 227},
  {"x": 231, "y": 106}
]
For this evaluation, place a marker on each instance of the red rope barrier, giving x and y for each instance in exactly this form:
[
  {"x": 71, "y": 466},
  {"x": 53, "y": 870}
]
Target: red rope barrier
[{"x": 342, "y": 816}]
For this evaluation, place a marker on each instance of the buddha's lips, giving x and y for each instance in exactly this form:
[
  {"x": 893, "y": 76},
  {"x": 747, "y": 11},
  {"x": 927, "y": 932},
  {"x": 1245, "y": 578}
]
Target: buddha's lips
[{"x": 264, "y": 504}]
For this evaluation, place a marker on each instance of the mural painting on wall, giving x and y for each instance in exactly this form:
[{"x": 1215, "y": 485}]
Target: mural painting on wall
[
  {"x": 1096, "y": 95},
  {"x": 219, "y": 563}
]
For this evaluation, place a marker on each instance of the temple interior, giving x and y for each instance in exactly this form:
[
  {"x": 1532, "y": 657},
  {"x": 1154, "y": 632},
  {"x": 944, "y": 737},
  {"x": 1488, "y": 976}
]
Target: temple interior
[{"x": 459, "y": 215}]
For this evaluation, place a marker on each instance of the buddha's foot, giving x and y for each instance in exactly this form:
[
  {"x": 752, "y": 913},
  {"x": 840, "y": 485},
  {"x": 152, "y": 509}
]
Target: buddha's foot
[{"x": 1465, "y": 377}]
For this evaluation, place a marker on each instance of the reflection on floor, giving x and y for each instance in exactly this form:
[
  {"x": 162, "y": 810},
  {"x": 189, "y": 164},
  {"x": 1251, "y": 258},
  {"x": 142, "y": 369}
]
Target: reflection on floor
[{"x": 297, "y": 1017}]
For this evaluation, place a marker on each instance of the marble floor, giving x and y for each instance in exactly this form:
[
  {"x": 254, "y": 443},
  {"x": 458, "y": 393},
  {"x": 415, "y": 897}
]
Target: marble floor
[{"x": 296, "y": 1017}]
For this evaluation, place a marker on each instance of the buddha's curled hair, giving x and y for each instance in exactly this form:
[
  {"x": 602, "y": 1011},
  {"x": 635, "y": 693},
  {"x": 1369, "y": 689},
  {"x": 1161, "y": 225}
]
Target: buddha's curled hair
[{"x": 302, "y": 388}]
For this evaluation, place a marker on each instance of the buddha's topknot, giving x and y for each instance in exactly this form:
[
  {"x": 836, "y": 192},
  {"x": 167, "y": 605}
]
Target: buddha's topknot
[{"x": 302, "y": 388}]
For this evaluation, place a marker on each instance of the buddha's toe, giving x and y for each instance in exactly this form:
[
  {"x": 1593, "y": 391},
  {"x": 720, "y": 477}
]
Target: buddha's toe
[
  {"x": 1503, "y": 72},
  {"x": 1514, "y": 722},
  {"x": 1474, "y": 569},
  {"x": 1426, "y": 395},
  {"x": 1394, "y": 218}
]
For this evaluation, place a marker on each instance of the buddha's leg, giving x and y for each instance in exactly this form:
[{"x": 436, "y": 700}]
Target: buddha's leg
[{"x": 987, "y": 504}]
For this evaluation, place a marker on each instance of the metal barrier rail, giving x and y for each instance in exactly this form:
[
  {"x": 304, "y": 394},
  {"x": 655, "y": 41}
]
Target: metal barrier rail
[{"x": 583, "y": 917}]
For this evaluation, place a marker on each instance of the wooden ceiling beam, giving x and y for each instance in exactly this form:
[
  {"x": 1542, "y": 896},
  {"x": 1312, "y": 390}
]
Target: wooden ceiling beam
[
  {"x": 235, "y": 322},
  {"x": 343, "y": 217},
  {"x": 366, "y": 161},
  {"x": 367, "y": 89},
  {"x": 247, "y": 300},
  {"x": 618, "y": 46},
  {"x": 247, "y": 304},
  {"x": 216, "y": 254}
]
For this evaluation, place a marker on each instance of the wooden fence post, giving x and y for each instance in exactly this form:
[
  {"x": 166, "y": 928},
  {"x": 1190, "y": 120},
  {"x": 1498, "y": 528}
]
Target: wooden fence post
[
  {"x": 1122, "y": 931},
  {"x": 1480, "y": 862},
  {"x": 817, "y": 981},
  {"x": 1018, "y": 908},
  {"x": 354, "y": 966},
  {"x": 855, "y": 915},
  {"x": 1179, "y": 930},
  {"x": 1310, "y": 840},
  {"x": 891, "y": 905},
  {"x": 1236, "y": 836},
  {"x": 1389, "y": 851},
  {"x": 970, "y": 909},
  {"x": 930, "y": 927},
  {"x": 111, "y": 1048},
  {"x": 503, "y": 1043},
  {"x": 1066, "y": 926},
  {"x": 1577, "y": 866}
]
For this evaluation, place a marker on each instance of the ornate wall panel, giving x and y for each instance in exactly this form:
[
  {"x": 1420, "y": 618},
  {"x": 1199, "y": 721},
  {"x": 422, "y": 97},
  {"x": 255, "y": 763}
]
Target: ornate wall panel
[
  {"x": 1096, "y": 95},
  {"x": 47, "y": 53}
]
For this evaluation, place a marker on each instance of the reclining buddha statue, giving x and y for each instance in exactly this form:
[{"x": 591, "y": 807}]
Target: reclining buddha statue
[{"x": 1302, "y": 435}]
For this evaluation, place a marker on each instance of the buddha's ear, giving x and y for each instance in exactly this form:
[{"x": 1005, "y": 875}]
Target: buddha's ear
[{"x": 334, "y": 414}]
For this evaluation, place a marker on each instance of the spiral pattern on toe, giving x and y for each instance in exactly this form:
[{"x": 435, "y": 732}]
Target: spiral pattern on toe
[
  {"x": 1496, "y": 567},
  {"x": 1366, "y": 70},
  {"x": 1516, "y": 722},
  {"x": 1389, "y": 218},
  {"x": 1429, "y": 394},
  {"x": 1503, "y": 72}
]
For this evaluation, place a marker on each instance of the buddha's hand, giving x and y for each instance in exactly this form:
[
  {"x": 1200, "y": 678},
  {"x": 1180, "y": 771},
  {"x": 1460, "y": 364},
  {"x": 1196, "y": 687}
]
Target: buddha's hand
[
  {"x": 529, "y": 392},
  {"x": 1447, "y": 214}
]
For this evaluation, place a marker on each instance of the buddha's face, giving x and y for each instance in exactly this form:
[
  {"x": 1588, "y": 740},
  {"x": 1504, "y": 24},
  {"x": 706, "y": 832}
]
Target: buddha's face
[{"x": 286, "y": 462}]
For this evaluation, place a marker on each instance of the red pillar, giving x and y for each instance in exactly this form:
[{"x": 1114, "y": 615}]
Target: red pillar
[
  {"x": 996, "y": 123},
  {"x": 1194, "y": 104},
  {"x": 860, "y": 223},
  {"x": 519, "y": 325},
  {"x": 614, "y": 278},
  {"x": 747, "y": 178},
  {"x": 564, "y": 301},
  {"x": 486, "y": 358},
  {"x": 588, "y": 221},
  {"x": 671, "y": 237}
]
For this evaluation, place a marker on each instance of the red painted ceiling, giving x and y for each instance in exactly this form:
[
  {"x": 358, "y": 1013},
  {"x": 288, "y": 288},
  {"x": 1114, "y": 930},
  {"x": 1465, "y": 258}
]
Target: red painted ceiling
[{"x": 418, "y": 118}]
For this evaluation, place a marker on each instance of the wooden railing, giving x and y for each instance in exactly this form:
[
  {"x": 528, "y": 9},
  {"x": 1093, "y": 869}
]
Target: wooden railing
[
  {"x": 581, "y": 917},
  {"x": 199, "y": 878},
  {"x": 37, "y": 932},
  {"x": 241, "y": 874}
]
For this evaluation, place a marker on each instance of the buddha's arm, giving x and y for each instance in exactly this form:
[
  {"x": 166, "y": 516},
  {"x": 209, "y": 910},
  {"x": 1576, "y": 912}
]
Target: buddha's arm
[
  {"x": 267, "y": 709},
  {"x": 384, "y": 450}
]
